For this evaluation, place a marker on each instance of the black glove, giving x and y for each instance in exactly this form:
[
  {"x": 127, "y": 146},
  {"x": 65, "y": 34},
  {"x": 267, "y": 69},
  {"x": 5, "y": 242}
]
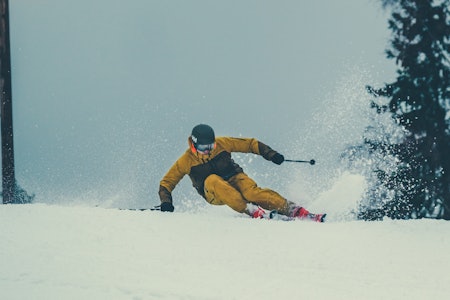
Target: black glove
[
  {"x": 167, "y": 206},
  {"x": 278, "y": 158}
]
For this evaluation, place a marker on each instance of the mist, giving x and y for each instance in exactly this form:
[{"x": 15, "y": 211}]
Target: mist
[{"x": 106, "y": 93}]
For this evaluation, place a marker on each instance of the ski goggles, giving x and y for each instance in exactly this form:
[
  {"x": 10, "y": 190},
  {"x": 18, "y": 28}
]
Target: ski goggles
[{"x": 205, "y": 148}]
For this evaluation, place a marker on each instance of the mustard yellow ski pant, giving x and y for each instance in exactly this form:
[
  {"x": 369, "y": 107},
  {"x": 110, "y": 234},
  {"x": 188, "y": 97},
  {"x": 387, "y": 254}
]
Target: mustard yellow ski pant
[{"x": 240, "y": 190}]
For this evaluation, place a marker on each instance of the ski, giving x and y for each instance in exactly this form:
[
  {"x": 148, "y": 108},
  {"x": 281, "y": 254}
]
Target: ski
[{"x": 274, "y": 215}]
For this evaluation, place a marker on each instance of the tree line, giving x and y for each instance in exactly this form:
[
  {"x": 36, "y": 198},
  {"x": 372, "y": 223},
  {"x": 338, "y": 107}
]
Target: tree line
[{"x": 419, "y": 102}]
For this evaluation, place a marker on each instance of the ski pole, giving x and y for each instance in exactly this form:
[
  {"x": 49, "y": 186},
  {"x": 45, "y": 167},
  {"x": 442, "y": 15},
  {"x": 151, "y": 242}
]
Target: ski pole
[
  {"x": 311, "y": 162},
  {"x": 157, "y": 207}
]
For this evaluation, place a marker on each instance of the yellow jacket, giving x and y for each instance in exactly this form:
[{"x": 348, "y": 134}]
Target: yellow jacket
[{"x": 218, "y": 162}]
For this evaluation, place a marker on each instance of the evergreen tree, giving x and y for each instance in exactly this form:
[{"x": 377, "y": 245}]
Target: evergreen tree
[{"x": 419, "y": 100}]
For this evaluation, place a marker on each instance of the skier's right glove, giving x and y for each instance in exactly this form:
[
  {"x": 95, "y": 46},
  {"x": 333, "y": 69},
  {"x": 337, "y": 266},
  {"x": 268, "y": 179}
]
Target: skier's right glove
[{"x": 167, "y": 206}]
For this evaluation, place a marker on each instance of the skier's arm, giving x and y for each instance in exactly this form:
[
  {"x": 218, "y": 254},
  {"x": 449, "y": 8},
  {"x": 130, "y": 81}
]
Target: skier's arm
[
  {"x": 168, "y": 184},
  {"x": 252, "y": 145},
  {"x": 270, "y": 154}
]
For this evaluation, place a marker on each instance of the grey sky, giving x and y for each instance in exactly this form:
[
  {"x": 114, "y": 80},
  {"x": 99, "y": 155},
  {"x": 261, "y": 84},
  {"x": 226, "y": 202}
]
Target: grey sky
[{"x": 106, "y": 92}]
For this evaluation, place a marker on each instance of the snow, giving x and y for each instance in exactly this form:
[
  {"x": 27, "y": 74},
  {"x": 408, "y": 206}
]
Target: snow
[{"x": 79, "y": 252}]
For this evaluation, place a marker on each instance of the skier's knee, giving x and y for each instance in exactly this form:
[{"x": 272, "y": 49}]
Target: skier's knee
[{"x": 211, "y": 180}]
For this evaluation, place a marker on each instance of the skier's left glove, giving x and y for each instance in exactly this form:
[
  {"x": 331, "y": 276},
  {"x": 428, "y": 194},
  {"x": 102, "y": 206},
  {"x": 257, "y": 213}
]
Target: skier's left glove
[
  {"x": 278, "y": 159},
  {"x": 167, "y": 206}
]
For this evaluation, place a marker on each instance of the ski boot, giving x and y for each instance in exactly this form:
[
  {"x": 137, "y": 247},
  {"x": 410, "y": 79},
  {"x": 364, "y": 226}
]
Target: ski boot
[
  {"x": 260, "y": 213},
  {"x": 303, "y": 214},
  {"x": 257, "y": 212}
]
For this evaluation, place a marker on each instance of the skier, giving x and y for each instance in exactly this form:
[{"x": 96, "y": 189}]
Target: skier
[{"x": 221, "y": 181}]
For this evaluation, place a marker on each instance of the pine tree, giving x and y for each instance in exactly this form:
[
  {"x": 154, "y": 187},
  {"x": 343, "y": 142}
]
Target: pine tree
[{"x": 419, "y": 100}]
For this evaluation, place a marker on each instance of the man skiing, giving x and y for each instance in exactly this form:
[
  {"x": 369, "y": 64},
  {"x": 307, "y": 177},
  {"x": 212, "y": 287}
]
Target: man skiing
[{"x": 221, "y": 181}]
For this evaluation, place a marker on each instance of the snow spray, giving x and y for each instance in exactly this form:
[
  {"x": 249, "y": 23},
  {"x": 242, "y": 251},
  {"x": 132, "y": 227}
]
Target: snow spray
[{"x": 338, "y": 182}]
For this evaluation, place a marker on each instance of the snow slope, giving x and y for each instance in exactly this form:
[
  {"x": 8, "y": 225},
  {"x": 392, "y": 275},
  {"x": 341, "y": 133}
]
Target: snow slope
[{"x": 60, "y": 252}]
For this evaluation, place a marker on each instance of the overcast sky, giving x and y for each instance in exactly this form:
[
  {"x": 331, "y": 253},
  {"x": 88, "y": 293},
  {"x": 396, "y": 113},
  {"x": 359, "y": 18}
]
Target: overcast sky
[{"x": 106, "y": 92}]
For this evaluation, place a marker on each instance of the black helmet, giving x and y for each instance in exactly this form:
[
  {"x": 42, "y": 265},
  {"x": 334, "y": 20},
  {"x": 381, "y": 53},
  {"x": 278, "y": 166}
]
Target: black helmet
[{"x": 203, "y": 134}]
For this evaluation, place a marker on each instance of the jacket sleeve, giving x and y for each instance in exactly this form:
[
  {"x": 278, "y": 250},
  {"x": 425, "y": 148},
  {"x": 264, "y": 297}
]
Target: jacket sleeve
[
  {"x": 248, "y": 145},
  {"x": 170, "y": 180},
  {"x": 265, "y": 151},
  {"x": 164, "y": 194}
]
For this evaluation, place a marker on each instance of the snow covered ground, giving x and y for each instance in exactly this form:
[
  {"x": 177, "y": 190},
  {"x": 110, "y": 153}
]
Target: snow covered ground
[{"x": 73, "y": 252}]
